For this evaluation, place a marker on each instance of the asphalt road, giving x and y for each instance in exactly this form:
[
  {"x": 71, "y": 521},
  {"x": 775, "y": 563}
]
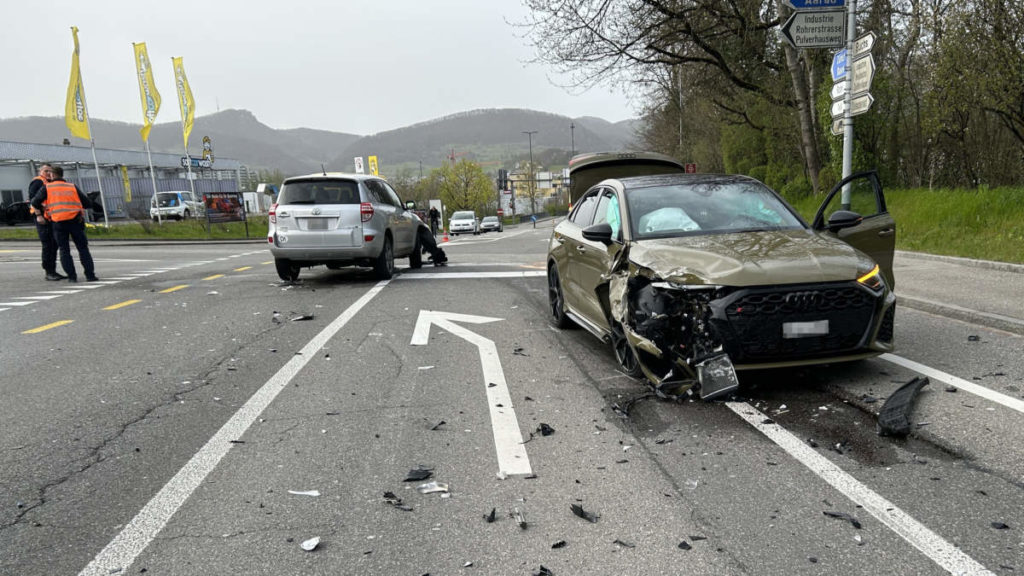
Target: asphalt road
[{"x": 174, "y": 419}]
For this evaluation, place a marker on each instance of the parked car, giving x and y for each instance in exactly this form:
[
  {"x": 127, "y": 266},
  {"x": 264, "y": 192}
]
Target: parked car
[
  {"x": 17, "y": 213},
  {"x": 96, "y": 211},
  {"x": 462, "y": 222},
  {"x": 691, "y": 277},
  {"x": 177, "y": 204},
  {"x": 339, "y": 220},
  {"x": 491, "y": 223}
]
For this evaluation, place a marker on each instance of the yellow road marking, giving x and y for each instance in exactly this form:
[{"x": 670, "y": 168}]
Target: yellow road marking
[
  {"x": 533, "y": 266},
  {"x": 242, "y": 269},
  {"x": 122, "y": 304},
  {"x": 11, "y": 251},
  {"x": 174, "y": 288},
  {"x": 48, "y": 326},
  {"x": 214, "y": 277},
  {"x": 267, "y": 262}
]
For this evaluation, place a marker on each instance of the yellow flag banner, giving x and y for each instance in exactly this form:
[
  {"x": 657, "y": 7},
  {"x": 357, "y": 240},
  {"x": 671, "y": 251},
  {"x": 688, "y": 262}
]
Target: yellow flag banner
[
  {"x": 147, "y": 89},
  {"x": 127, "y": 184},
  {"x": 75, "y": 114},
  {"x": 373, "y": 165},
  {"x": 185, "y": 100}
]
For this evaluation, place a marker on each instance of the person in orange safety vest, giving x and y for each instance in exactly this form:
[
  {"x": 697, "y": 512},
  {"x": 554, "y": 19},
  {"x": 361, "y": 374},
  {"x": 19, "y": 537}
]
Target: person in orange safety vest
[
  {"x": 44, "y": 228},
  {"x": 64, "y": 204}
]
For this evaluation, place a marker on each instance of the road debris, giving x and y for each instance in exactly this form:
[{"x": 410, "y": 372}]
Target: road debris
[
  {"x": 301, "y": 318},
  {"x": 518, "y": 351},
  {"x": 305, "y": 492},
  {"x": 843, "y": 516},
  {"x": 559, "y": 544},
  {"x": 391, "y": 499},
  {"x": 520, "y": 518},
  {"x": 623, "y": 544},
  {"x": 543, "y": 572},
  {"x": 951, "y": 388},
  {"x": 311, "y": 544},
  {"x": 438, "y": 425},
  {"x": 491, "y": 517},
  {"x": 418, "y": 474},
  {"x": 431, "y": 487},
  {"x": 894, "y": 417},
  {"x": 684, "y": 545},
  {"x": 588, "y": 516},
  {"x": 1000, "y": 526},
  {"x": 974, "y": 338},
  {"x": 545, "y": 430}
]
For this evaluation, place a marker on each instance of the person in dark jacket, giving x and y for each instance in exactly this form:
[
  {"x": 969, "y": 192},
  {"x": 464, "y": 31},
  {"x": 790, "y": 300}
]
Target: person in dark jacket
[
  {"x": 44, "y": 228},
  {"x": 64, "y": 204},
  {"x": 429, "y": 244}
]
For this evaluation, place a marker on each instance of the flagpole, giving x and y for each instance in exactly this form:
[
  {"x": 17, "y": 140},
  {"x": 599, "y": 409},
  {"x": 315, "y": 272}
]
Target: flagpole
[
  {"x": 92, "y": 144},
  {"x": 152, "y": 177}
]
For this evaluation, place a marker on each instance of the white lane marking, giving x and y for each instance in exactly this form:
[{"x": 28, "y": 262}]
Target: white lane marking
[
  {"x": 464, "y": 275},
  {"x": 38, "y": 297},
  {"x": 90, "y": 286},
  {"x": 508, "y": 439},
  {"x": 2, "y": 309},
  {"x": 123, "y": 278},
  {"x": 61, "y": 292},
  {"x": 107, "y": 282},
  {"x": 139, "y": 275},
  {"x": 937, "y": 549},
  {"x": 18, "y": 303},
  {"x": 1003, "y": 399},
  {"x": 143, "y": 528}
]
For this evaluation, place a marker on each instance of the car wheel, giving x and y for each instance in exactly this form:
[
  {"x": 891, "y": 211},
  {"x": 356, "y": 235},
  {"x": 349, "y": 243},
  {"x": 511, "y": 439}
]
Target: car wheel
[
  {"x": 556, "y": 299},
  {"x": 286, "y": 270},
  {"x": 416, "y": 258},
  {"x": 624, "y": 355},
  {"x": 384, "y": 267}
]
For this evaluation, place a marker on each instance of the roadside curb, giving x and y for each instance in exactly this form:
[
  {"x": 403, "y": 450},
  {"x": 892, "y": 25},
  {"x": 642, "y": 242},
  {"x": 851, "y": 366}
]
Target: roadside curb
[
  {"x": 997, "y": 321},
  {"x": 988, "y": 264}
]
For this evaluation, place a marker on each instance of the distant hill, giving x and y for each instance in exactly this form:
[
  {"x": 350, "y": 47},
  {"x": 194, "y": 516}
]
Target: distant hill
[
  {"x": 489, "y": 136},
  {"x": 495, "y": 136}
]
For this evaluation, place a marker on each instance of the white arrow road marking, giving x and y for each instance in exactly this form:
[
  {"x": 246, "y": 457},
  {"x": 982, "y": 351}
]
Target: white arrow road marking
[
  {"x": 508, "y": 439},
  {"x": 939, "y": 550}
]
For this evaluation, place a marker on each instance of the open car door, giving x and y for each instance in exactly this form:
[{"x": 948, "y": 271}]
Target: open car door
[{"x": 875, "y": 234}]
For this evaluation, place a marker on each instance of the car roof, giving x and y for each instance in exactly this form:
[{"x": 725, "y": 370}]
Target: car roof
[{"x": 332, "y": 176}]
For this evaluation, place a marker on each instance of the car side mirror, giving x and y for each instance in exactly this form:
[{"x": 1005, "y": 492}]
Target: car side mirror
[
  {"x": 843, "y": 219},
  {"x": 599, "y": 233}
]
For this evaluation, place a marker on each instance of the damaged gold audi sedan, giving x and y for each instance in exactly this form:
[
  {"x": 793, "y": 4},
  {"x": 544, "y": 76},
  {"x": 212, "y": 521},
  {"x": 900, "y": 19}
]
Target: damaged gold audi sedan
[{"x": 692, "y": 277}]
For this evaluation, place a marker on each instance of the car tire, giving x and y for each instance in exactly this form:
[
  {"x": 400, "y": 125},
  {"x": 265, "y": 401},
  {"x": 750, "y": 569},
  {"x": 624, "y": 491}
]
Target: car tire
[
  {"x": 556, "y": 299},
  {"x": 624, "y": 355},
  {"x": 416, "y": 258},
  {"x": 384, "y": 267},
  {"x": 286, "y": 269}
]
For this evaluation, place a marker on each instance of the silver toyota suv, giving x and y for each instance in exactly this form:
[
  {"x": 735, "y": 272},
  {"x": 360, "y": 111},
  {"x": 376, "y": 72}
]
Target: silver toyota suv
[{"x": 340, "y": 220}]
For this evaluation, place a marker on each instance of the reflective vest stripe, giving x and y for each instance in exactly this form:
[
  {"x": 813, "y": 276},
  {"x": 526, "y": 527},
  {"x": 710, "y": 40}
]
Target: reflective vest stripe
[{"x": 62, "y": 201}]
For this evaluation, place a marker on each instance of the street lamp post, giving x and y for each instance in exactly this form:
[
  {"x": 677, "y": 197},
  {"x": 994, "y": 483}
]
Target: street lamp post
[
  {"x": 533, "y": 192},
  {"x": 572, "y": 132}
]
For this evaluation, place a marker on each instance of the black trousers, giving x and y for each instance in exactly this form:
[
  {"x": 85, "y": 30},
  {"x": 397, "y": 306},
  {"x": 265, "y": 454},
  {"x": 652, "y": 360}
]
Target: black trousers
[
  {"x": 45, "y": 232},
  {"x": 429, "y": 244},
  {"x": 73, "y": 230}
]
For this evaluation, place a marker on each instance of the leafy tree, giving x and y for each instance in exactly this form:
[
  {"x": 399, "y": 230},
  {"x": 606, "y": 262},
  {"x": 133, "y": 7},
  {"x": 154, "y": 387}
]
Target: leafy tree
[{"x": 464, "y": 186}]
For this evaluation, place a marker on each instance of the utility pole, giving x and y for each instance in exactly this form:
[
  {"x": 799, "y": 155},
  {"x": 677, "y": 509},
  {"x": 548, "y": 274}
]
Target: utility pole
[
  {"x": 572, "y": 131},
  {"x": 533, "y": 193}
]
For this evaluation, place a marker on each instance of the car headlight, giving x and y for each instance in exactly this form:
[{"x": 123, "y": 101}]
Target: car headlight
[{"x": 872, "y": 279}]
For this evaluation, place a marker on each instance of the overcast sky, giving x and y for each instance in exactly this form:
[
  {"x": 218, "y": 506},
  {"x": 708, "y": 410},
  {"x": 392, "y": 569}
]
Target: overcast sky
[{"x": 356, "y": 67}]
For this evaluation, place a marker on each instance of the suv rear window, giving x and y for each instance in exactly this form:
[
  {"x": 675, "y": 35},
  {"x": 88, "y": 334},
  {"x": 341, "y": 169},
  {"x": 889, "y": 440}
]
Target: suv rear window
[{"x": 319, "y": 191}]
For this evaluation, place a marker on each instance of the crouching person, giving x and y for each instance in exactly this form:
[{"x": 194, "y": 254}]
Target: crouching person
[{"x": 429, "y": 245}]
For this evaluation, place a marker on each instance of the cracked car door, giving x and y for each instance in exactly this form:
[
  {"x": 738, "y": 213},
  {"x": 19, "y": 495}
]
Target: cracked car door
[{"x": 875, "y": 235}]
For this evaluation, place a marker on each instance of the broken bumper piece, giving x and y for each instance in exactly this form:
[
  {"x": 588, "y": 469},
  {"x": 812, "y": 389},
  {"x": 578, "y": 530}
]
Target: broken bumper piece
[{"x": 717, "y": 377}]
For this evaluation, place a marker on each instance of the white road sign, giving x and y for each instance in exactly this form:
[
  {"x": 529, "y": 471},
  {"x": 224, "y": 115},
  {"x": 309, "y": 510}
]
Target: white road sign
[
  {"x": 817, "y": 29},
  {"x": 864, "y": 44},
  {"x": 859, "y": 105},
  {"x": 838, "y": 90},
  {"x": 863, "y": 74},
  {"x": 837, "y": 127}
]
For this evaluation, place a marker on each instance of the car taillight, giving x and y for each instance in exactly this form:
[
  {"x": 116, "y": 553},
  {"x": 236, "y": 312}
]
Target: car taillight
[
  {"x": 366, "y": 211},
  {"x": 273, "y": 213}
]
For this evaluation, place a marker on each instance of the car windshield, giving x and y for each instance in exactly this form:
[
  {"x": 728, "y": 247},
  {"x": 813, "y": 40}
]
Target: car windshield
[
  {"x": 319, "y": 191},
  {"x": 490, "y": 219},
  {"x": 706, "y": 208},
  {"x": 463, "y": 216},
  {"x": 167, "y": 199}
]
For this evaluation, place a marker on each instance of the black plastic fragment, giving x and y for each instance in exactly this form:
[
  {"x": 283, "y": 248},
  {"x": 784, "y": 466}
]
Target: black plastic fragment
[
  {"x": 623, "y": 544},
  {"x": 974, "y": 338},
  {"x": 698, "y": 538},
  {"x": 543, "y": 572},
  {"x": 559, "y": 544},
  {"x": 417, "y": 474},
  {"x": 520, "y": 517},
  {"x": 579, "y": 511},
  {"x": 518, "y": 351},
  {"x": 894, "y": 417},
  {"x": 843, "y": 516},
  {"x": 393, "y": 500},
  {"x": 438, "y": 425},
  {"x": 545, "y": 430},
  {"x": 684, "y": 545},
  {"x": 812, "y": 443},
  {"x": 490, "y": 517},
  {"x": 301, "y": 318},
  {"x": 1000, "y": 526}
]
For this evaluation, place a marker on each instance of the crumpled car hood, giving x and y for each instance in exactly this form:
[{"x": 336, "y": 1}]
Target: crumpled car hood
[{"x": 748, "y": 258}]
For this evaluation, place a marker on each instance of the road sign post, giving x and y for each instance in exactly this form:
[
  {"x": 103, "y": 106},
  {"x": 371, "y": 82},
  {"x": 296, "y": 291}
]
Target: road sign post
[{"x": 851, "y": 30}]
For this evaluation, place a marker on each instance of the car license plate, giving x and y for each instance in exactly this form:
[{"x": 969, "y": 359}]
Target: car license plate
[
  {"x": 804, "y": 329},
  {"x": 316, "y": 223}
]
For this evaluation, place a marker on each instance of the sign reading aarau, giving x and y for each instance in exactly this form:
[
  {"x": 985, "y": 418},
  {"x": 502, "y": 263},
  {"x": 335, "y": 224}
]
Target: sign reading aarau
[{"x": 812, "y": 4}]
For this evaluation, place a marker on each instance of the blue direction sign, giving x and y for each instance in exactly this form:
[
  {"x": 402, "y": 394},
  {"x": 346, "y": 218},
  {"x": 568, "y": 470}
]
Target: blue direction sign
[
  {"x": 812, "y": 4},
  {"x": 839, "y": 65}
]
